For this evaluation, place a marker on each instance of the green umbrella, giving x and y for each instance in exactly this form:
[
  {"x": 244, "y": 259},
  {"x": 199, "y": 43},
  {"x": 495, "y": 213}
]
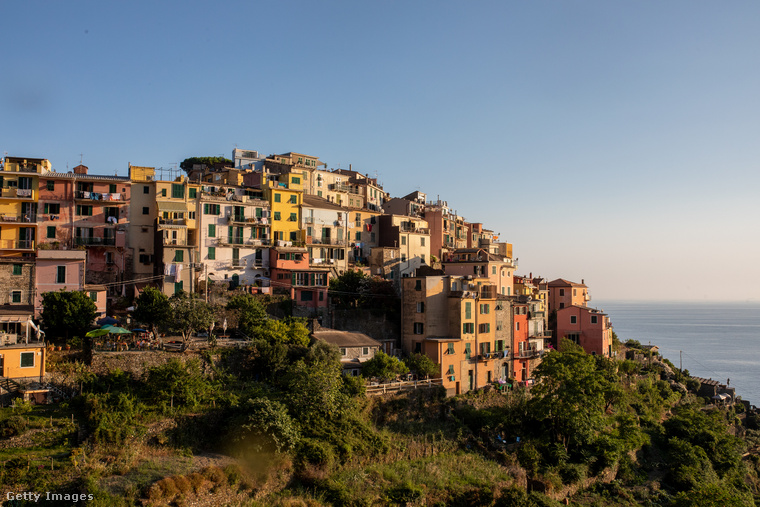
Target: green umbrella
[
  {"x": 97, "y": 332},
  {"x": 118, "y": 330}
]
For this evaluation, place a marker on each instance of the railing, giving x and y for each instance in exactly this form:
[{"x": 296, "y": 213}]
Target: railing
[
  {"x": 328, "y": 241},
  {"x": 231, "y": 241},
  {"x": 527, "y": 353},
  {"x": 98, "y": 196},
  {"x": 25, "y": 218},
  {"x": 176, "y": 242},
  {"x": 172, "y": 221},
  {"x": 342, "y": 187},
  {"x": 394, "y": 387},
  {"x": 17, "y": 244},
  {"x": 19, "y": 168},
  {"x": 13, "y": 192},
  {"x": 487, "y": 356},
  {"x": 95, "y": 241}
]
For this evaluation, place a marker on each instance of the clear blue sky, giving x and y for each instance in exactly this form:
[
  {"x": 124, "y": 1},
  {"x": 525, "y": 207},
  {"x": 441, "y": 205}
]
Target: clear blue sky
[{"x": 615, "y": 142}]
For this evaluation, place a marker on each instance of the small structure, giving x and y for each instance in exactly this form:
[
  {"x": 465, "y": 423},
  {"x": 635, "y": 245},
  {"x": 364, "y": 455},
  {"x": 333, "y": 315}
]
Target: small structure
[
  {"x": 23, "y": 361},
  {"x": 355, "y": 348}
]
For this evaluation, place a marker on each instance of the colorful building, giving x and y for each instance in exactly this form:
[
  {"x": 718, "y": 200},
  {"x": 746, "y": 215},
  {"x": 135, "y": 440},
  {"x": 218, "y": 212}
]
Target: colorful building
[
  {"x": 19, "y": 194},
  {"x": 563, "y": 293},
  {"x": 479, "y": 262},
  {"x": 292, "y": 273},
  {"x": 588, "y": 327}
]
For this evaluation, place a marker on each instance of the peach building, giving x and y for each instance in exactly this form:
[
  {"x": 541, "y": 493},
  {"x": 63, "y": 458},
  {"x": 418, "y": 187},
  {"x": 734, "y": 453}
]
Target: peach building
[
  {"x": 588, "y": 327},
  {"x": 478, "y": 262},
  {"x": 563, "y": 293},
  {"x": 453, "y": 321},
  {"x": 291, "y": 272}
]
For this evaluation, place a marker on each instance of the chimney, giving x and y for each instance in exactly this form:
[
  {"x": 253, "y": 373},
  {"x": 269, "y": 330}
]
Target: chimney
[
  {"x": 80, "y": 169},
  {"x": 583, "y": 282}
]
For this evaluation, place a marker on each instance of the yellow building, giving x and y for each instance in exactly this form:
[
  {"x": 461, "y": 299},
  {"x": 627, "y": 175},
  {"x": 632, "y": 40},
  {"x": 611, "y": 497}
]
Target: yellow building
[
  {"x": 285, "y": 195},
  {"x": 22, "y": 361},
  {"x": 19, "y": 179}
]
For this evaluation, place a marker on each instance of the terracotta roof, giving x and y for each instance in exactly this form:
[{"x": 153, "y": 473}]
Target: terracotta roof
[
  {"x": 345, "y": 338},
  {"x": 561, "y": 282},
  {"x": 320, "y": 202},
  {"x": 587, "y": 308}
]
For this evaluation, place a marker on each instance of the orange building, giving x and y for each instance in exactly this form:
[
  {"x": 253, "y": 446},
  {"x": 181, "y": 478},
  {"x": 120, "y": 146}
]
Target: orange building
[
  {"x": 22, "y": 361},
  {"x": 452, "y": 320},
  {"x": 563, "y": 293},
  {"x": 291, "y": 272}
]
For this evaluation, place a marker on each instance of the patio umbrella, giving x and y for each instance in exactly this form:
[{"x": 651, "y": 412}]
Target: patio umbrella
[
  {"x": 139, "y": 330},
  {"x": 118, "y": 330},
  {"x": 97, "y": 332},
  {"x": 107, "y": 320}
]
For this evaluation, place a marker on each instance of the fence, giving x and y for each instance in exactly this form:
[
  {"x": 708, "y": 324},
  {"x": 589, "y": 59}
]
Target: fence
[{"x": 396, "y": 387}]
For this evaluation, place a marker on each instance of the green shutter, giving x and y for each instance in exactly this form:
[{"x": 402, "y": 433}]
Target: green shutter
[
  {"x": 468, "y": 310},
  {"x": 211, "y": 230}
]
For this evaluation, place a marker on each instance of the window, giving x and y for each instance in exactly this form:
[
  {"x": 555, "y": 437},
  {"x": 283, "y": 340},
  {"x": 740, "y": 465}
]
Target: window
[
  {"x": 16, "y": 296},
  {"x": 178, "y": 191},
  {"x": 450, "y": 371},
  {"x": 211, "y": 230},
  {"x": 403, "y": 240},
  {"x": 276, "y": 215},
  {"x": 293, "y": 199},
  {"x": 420, "y": 307},
  {"x": 493, "y": 270},
  {"x": 94, "y": 297},
  {"x": 573, "y": 319},
  {"x": 178, "y": 287},
  {"x": 146, "y": 189},
  {"x": 418, "y": 285},
  {"x": 17, "y": 269},
  {"x": 307, "y": 295},
  {"x": 422, "y": 241},
  {"x": 60, "y": 276},
  {"x": 293, "y": 217},
  {"x": 146, "y": 210},
  {"x": 372, "y": 237},
  {"x": 163, "y": 192},
  {"x": 562, "y": 292},
  {"x": 593, "y": 319},
  {"x": 277, "y": 197},
  {"x": 179, "y": 256},
  {"x": 27, "y": 359},
  {"x": 343, "y": 351},
  {"x": 468, "y": 328},
  {"x": 517, "y": 326},
  {"x": 365, "y": 351},
  {"x": 499, "y": 325},
  {"x": 450, "y": 350},
  {"x": 575, "y": 292},
  {"x": 295, "y": 180},
  {"x": 561, "y": 305},
  {"x": 50, "y": 185},
  {"x": 84, "y": 210},
  {"x": 403, "y": 257},
  {"x": 191, "y": 215},
  {"x": 467, "y": 350},
  {"x": 484, "y": 328},
  {"x": 485, "y": 308},
  {"x": 211, "y": 253},
  {"x": 418, "y": 327},
  {"x": 192, "y": 193},
  {"x": 468, "y": 310},
  {"x": 52, "y": 208},
  {"x": 358, "y": 236},
  {"x": 212, "y": 209}
]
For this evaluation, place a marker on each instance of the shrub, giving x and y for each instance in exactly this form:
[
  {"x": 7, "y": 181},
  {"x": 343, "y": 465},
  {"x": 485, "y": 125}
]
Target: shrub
[
  {"x": 214, "y": 474},
  {"x": 405, "y": 493},
  {"x": 234, "y": 474},
  {"x": 12, "y": 426},
  {"x": 197, "y": 482},
  {"x": 183, "y": 484},
  {"x": 314, "y": 452},
  {"x": 572, "y": 473}
]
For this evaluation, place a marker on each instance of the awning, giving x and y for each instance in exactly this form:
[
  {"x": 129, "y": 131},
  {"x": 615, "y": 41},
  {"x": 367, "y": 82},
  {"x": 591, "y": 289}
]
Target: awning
[
  {"x": 15, "y": 318},
  {"x": 171, "y": 206}
]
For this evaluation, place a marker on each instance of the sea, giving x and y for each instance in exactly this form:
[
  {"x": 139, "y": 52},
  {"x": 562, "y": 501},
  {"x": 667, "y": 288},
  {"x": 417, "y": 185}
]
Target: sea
[{"x": 712, "y": 340}]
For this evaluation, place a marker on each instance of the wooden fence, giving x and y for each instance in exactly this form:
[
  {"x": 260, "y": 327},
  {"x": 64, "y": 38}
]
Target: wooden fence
[{"x": 396, "y": 387}]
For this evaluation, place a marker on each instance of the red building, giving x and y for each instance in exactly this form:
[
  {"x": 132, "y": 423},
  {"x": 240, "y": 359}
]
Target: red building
[
  {"x": 290, "y": 271},
  {"x": 521, "y": 350}
]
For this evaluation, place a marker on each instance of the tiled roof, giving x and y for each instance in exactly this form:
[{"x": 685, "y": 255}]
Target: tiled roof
[
  {"x": 561, "y": 282},
  {"x": 345, "y": 338}
]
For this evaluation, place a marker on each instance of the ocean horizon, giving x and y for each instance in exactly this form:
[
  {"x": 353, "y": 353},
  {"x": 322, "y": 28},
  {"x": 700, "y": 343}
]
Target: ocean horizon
[{"x": 712, "y": 339}]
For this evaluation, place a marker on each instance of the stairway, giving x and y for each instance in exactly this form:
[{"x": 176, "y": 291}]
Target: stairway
[{"x": 8, "y": 386}]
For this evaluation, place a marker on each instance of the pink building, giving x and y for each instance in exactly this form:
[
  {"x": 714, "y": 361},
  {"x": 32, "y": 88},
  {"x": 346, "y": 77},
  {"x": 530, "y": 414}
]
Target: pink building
[
  {"x": 80, "y": 210},
  {"x": 65, "y": 270},
  {"x": 587, "y": 327},
  {"x": 479, "y": 263},
  {"x": 290, "y": 271}
]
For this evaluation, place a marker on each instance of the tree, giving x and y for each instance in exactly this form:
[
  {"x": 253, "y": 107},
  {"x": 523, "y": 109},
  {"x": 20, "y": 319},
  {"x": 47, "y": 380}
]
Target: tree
[
  {"x": 290, "y": 332},
  {"x": 188, "y": 163},
  {"x": 152, "y": 308},
  {"x": 422, "y": 365},
  {"x": 177, "y": 384},
  {"x": 347, "y": 289},
  {"x": 569, "y": 395},
  {"x": 315, "y": 391},
  {"x": 268, "y": 427},
  {"x": 251, "y": 313},
  {"x": 189, "y": 313},
  {"x": 67, "y": 313},
  {"x": 384, "y": 366}
]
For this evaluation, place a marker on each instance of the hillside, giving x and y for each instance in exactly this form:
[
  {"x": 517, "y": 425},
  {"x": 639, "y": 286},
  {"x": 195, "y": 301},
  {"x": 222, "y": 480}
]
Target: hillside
[{"x": 277, "y": 424}]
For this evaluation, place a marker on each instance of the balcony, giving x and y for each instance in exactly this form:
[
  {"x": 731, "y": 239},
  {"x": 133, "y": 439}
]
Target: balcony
[
  {"x": 97, "y": 196},
  {"x": 17, "y": 244},
  {"x": 527, "y": 353},
  {"x": 17, "y": 193},
  {"x": 94, "y": 241},
  {"x": 27, "y": 218},
  {"x": 177, "y": 242},
  {"x": 181, "y": 222},
  {"x": 342, "y": 187},
  {"x": 488, "y": 292},
  {"x": 231, "y": 241}
]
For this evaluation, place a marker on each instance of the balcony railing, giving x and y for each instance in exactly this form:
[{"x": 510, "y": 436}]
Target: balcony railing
[
  {"x": 17, "y": 244},
  {"x": 342, "y": 187},
  {"x": 172, "y": 221},
  {"x": 17, "y": 193},
  {"x": 527, "y": 353},
  {"x": 97, "y": 196},
  {"x": 23, "y": 218},
  {"x": 95, "y": 241}
]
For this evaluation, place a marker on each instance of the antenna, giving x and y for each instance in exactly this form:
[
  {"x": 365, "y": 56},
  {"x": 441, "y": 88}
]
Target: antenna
[{"x": 81, "y": 157}]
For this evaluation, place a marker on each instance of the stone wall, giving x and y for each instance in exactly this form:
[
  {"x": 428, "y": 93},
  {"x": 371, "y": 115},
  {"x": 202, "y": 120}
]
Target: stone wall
[{"x": 364, "y": 321}]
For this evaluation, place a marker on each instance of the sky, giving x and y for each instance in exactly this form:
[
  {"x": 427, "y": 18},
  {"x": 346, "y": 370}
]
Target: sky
[{"x": 610, "y": 142}]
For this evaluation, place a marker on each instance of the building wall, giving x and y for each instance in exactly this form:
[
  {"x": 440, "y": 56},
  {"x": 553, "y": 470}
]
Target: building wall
[
  {"x": 17, "y": 277},
  {"x": 48, "y": 262},
  {"x": 594, "y": 337},
  {"x": 12, "y": 362},
  {"x": 142, "y": 222}
]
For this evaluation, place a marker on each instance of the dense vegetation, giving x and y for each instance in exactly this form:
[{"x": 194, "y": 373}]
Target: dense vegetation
[{"x": 594, "y": 430}]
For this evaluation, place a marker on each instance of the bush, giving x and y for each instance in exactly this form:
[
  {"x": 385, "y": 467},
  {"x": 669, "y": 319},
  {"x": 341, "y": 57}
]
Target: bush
[
  {"x": 183, "y": 484},
  {"x": 405, "y": 493},
  {"x": 314, "y": 452},
  {"x": 215, "y": 475},
  {"x": 572, "y": 473},
  {"x": 12, "y": 426},
  {"x": 234, "y": 474}
]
